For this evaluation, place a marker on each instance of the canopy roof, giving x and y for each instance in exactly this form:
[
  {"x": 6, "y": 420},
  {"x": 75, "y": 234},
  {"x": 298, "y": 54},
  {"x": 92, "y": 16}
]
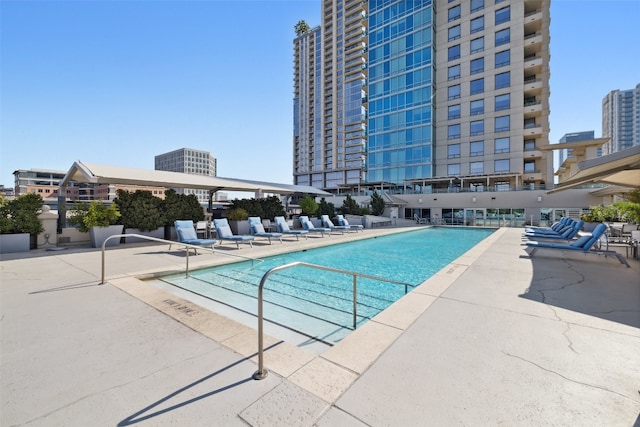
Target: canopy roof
[
  {"x": 103, "y": 174},
  {"x": 621, "y": 168}
]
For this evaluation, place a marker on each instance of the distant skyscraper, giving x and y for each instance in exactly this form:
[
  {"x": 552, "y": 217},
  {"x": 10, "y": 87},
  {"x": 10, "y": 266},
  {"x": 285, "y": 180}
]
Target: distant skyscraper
[
  {"x": 621, "y": 119},
  {"x": 188, "y": 160},
  {"x": 456, "y": 94}
]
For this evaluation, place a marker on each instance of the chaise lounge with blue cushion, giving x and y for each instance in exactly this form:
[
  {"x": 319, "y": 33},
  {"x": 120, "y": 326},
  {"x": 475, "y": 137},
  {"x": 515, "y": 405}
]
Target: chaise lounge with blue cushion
[
  {"x": 553, "y": 229},
  {"x": 308, "y": 225},
  {"x": 567, "y": 234},
  {"x": 342, "y": 221},
  {"x": 331, "y": 226},
  {"x": 257, "y": 229},
  {"x": 223, "y": 231},
  {"x": 186, "y": 232},
  {"x": 283, "y": 227},
  {"x": 584, "y": 244}
]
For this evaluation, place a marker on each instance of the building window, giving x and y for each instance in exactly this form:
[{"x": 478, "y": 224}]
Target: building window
[
  {"x": 500, "y": 166},
  {"x": 502, "y": 124},
  {"x": 529, "y": 144},
  {"x": 503, "y": 58},
  {"x": 477, "y": 24},
  {"x": 454, "y": 52},
  {"x": 530, "y": 123},
  {"x": 454, "y": 13},
  {"x": 453, "y": 92},
  {"x": 453, "y": 170},
  {"x": 503, "y": 37},
  {"x": 453, "y": 131},
  {"x": 453, "y": 72},
  {"x": 476, "y": 167},
  {"x": 502, "y": 15},
  {"x": 503, "y": 102},
  {"x": 476, "y": 5},
  {"x": 476, "y": 148},
  {"x": 453, "y": 151},
  {"x": 476, "y": 107},
  {"x": 501, "y": 145},
  {"x": 529, "y": 167},
  {"x": 477, "y": 65},
  {"x": 477, "y": 86},
  {"x": 477, "y": 45},
  {"x": 453, "y": 112},
  {"x": 503, "y": 80},
  {"x": 477, "y": 128},
  {"x": 454, "y": 32}
]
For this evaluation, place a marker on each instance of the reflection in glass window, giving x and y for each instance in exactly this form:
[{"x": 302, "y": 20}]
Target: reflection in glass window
[
  {"x": 453, "y": 112},
  {"x": 501, "y": 145},
  {"x": 529, "y": 144},
  {"x": 477, "y": 127},
  {"x": 477, "y": 65},
  {"x": 476, "y": 167},
  {"x": 503, "y": 37},
  {"x": 454, "y": 32},
  {"x": 500, "y": 166},
  {"x": 453, "y": 169},
  {"x": 476, "y": 148},
  {"x": 529, "y": 167},
  {"x": 503, "y": 15},
  {"x": 476, "y": 107},
  {"x": 477, "y": 24},
  {"x": 453, "y": 131},
  {"x": 476, "y": 5},
  {"x": 454, "y": 13},
  {"x": 453, "y": 92},
  {"x": 503, "y": 80},
  {"x": 453, "y": 151},
  {"x": 454, "y": 52},
  {"x": 503, "y": 102},
  {"x": 503, "y": 58},
  {"x": 477, "y": 45},
  {"x": 477, "y": 86},
  {"x": 453, "y": 72},
  {"x": 502, "y": 124}
]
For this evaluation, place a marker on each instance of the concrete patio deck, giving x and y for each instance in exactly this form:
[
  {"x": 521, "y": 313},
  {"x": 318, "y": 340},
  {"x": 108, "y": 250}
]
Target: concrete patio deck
[{"x": 494, "y": 338}]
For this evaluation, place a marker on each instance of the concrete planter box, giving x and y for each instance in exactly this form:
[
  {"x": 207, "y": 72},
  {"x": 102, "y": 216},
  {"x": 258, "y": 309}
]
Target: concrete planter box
[
  {"x": 100, "y": 234},
  {"x": 157, "y": 233},
  {"x": 240, "y": 227},
  {"x": 10, "y": 243}
]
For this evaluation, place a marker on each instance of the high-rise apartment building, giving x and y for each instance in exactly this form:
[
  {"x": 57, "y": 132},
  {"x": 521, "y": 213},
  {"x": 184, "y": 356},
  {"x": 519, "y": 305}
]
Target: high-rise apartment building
[
  {"x": 621, "y": 119},
  {"x": 330, "y": 98},
  {"x": 188, "y": 160},
  {"x": 456, "y": 95}
]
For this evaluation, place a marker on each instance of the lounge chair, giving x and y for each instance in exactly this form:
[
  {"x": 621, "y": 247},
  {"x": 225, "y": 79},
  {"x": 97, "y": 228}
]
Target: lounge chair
[
  {"x": 568, "y": 234},
  {"x": 223, "y": 232},
  {"x": 283, "y": 228},
  {"x": 331, "y": 226},
  {"x": 308, "y": 225},
  {"x": 257, "y": 229},
  {"x": 558, "y": 228},
  {"x": 584, "y": 244},
  {"x": 187, "y": 234},
  {"x": 342, "y": 221},
  {"x": 420, "y": 220},
  {"x": 554, "y": 228}
]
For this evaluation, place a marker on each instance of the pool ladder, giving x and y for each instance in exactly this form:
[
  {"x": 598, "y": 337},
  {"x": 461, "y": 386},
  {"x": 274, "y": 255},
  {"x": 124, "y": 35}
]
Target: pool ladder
[{"x": 262, "y": 372}]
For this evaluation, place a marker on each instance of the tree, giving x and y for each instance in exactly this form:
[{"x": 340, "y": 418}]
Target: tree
[
  {"x": 140, "y": 209},
  {"x": 301, "y": 28},
  {"x": 350, "y": 206},
  {"x": 308, "y": 205},
  {"x": 377, "y": 204},
  {"x": 20, "y": 215},
  {"x": 325, "y": 208},
  {"x": 181, "y": 206}
]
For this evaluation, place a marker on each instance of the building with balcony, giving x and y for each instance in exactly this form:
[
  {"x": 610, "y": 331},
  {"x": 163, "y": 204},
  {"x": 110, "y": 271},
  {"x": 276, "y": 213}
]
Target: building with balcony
[
  {"x": 621, "y": 119},
  {"x": 191, "y": 161}
]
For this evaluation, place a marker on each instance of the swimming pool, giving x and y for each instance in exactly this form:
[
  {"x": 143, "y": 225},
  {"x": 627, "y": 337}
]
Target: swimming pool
[{"x": 319, "y": 304}]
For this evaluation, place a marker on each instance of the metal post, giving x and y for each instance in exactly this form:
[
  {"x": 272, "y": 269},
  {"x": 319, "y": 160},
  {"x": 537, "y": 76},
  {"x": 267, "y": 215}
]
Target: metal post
[{"x": 355, "y": 302}]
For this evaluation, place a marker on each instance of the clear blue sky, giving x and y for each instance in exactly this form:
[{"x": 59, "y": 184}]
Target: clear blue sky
[{"x": 118, "y": 82}]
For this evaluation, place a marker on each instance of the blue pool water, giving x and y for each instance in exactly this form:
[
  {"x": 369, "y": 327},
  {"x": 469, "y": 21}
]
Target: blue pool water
[{"x": 319, "y": 304}]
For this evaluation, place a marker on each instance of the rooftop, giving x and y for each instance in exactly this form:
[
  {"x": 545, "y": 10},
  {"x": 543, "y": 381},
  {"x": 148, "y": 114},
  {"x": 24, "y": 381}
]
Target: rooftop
[{"x": 496, "y": 337}]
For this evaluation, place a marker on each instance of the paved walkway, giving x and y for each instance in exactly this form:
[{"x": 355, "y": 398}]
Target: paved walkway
[{"x": 494, "y": 338}]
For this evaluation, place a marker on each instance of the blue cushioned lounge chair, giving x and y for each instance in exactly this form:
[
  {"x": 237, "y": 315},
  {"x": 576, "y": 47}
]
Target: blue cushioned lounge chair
[
  {"x": 223, "y": 231},
  {"x": 343, "y": 222},
  {"x": 331, "y": 226},
  {"x": 283, "y": 227},
  {"x": 308, "y": 225},
  {"x": 568, "y": 234},
  {"x": 187, "y": 234},
  {"x": 257, "y": 229},
  {"x": 554, "y": 228},
  {"x": 584, "y": 244}
]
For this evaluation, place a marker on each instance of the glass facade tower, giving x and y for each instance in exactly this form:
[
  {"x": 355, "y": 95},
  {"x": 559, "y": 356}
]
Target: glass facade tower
[{"x": 621, "y": 119}]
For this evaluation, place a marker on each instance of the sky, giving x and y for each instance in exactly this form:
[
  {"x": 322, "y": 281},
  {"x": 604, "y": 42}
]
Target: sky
[{"x": 119, "y": 82}]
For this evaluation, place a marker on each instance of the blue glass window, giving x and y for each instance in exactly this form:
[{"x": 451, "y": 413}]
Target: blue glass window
[
  {"x": 453, "y": 92},
  {"x": 454, "y": 32},
  {"x": 501, "y": 145},
  {"x": 502, "y": 124},
  {"x": 477, "y": 24},
  {"x": 503, "y": 15},
  {"x": 454, "y": 13},
  {"x": 477, "y": 128},
  {"x": 477, "y": 45},
  {"x": 453, "y": 151},
  {"x": 477, "y": 86},
  {"x": 501, "y": 166},
  {"x": 476, "y": 148},
  {"x": 453, "y": 72},
  {"x": 503, "y": 58},
  {"x": 503, "y": 37},
  {"x": 476, "y": 107},
  {"x": 503, "y": 80},
  {"x": 477, "y": 65},
  {"x": 529, "y": 167},
  {"x": 503, "y": 102},
  {"x": 453, "y": 131},
  {"x": 453, "y": 169},
  {"x": 454, "y": 52},
  {"x": 476, "y": 167},
  {"x": 476, "y": 5},
  {"x": 453, "y": 112}
]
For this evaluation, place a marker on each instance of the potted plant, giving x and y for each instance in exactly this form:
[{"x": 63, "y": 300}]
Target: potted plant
[
  {"x": 19, "y": 222},
  {"x": 141, "y": 213},
  {"x": 100, "y": 220},
  {"x": 238, "y": 221}
]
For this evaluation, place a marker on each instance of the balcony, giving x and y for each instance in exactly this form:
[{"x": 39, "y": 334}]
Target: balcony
[
  {"x": 532, "y": 107},
  {"x": 533, "y": 154},
  {"x": 533, "y": 17},
  {"x": 532, "y": 39},
  {"x": 532, "y": 176},
  {"x": 535, "y": 130},
  {"x": 532, "y": 86},
  {"x": 532, "y": 63}
]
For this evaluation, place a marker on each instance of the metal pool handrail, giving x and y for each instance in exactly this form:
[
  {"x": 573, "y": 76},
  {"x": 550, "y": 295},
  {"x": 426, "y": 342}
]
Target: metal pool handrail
[
  {"x": 262, "y": 372},
  {"x": 170, "y": 242}
]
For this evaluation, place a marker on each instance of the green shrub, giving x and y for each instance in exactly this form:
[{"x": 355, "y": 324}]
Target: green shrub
[
  {"x": 237, "y": 214},
  {"x": 140, "y": 209},
  {"x": 308, "y": 205},
  {"x": 20, "y": 215},
  {"x": 95, "y": 214}
]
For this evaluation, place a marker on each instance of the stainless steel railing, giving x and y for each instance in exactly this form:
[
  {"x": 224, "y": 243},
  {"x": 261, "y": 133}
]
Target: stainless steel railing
[
  {"x": 170, "y": 242},
  {"x": 262, "y": 372}
]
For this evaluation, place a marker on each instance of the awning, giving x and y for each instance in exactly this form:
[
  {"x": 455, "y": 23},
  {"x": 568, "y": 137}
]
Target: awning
[
  {"x": 103, "y": 174},
  {"x": 621, "y": 168}
]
